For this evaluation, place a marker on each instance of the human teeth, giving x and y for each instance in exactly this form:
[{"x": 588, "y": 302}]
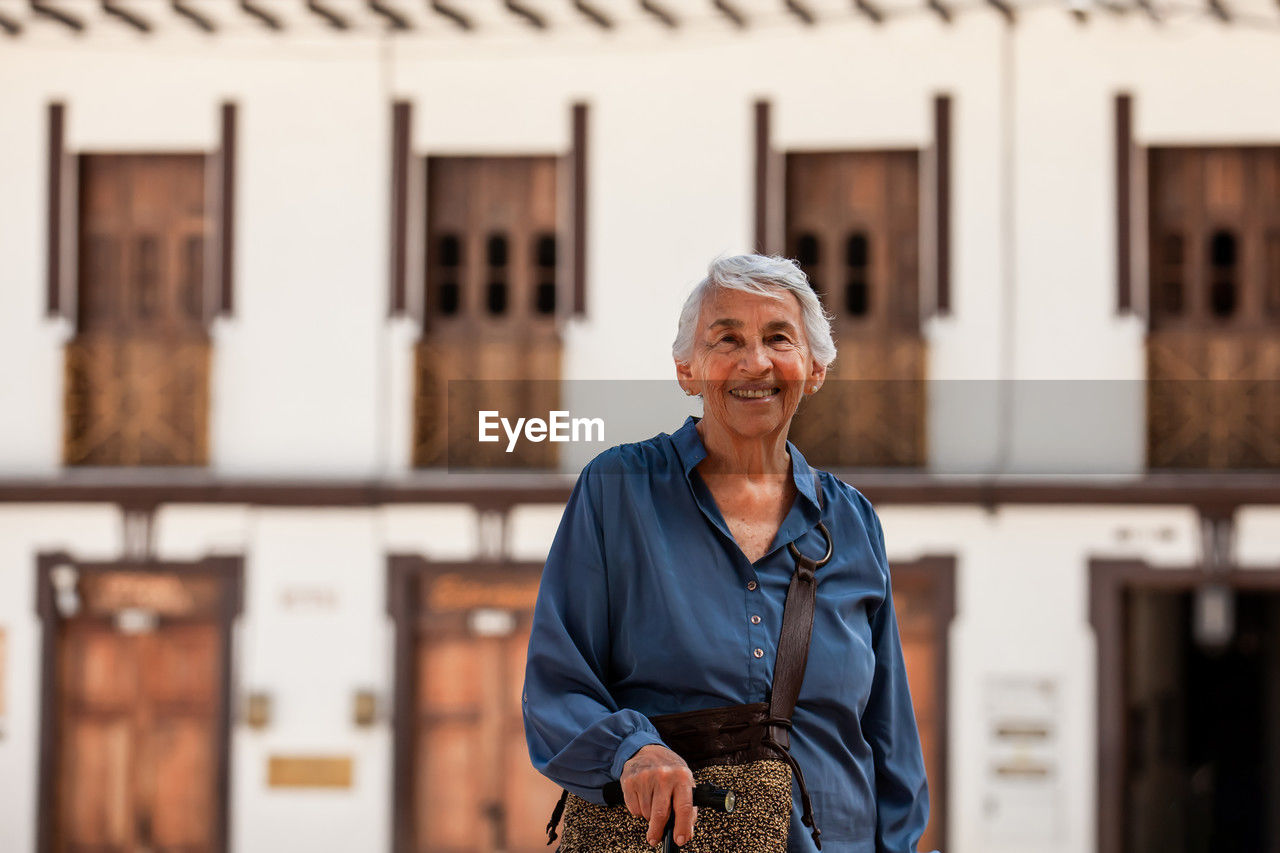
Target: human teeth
[{"x": 743, "y": 392}]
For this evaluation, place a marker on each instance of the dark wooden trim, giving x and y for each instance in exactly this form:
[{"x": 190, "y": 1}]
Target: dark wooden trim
[
  {"x": 1124, "y": 202},
  {"x": 405, "y": 573},
  {"x": 1005, "y": 10},
  {"x": 49, "y": 753},
  {"x": 125, "y": 16},
  {"x": 395, "y": 20},
  {"x": 145, "y": 489},
  {"x": 871, "y": 10},
  {"x": 460, "y": 20},
  {"x": 330, "y": 17},
  {"x": 57, "y": 163},
  {"x": 942, "y": 202},
  {"x": 1105, "y": 615},
  {"x": 526, "y": 14},
  {"x": 53, "y": 13},
  {"x": 801, "y": 12},
  {"x": 230, "y": 569},
  {"x": 402, "y": 593},
  {"x": 9, "y": 25},
  {"x": 201, "y": 22},
  {"x": 660, "y": 13},
  {"x": 731, "y": 13},
  {"x": 400, "y": 142},
  {"x": 594, "y": 15},
  {"x": 578, "y": 212},
  {"x": 1109, "y": 580},
  {"x": 261, "y": 15},
  {"x": 942, "y": 570},
  {"x": 227, "y": 210},
  {"x": 762, "y": 141}
]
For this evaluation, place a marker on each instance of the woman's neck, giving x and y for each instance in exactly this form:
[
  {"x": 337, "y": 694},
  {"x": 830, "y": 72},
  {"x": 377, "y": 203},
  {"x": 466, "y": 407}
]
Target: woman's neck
[{"x": 758, "y": 458}]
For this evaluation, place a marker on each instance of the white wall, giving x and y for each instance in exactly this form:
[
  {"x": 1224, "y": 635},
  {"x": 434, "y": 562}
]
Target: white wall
[{"x": 310, "y": 379}]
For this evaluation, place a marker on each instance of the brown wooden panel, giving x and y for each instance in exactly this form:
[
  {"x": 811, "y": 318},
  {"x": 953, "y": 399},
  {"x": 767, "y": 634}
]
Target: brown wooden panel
[
  {"x": 180, "y": 672},
  {"x": 492, "y": 305},
  {"x": 175, "y": 781},
  {"x": 100, "y": 673},
  {"x": 474, "y": 788},
  {"x": 447, "y": 676},
  {"x": 140, "y": 216},
  {"x": 918, "y": 608},
  {"x": 1213, "y": 400},
  {"x": 137, "y": 371},
  {"x": 137, "y": 737},
  {"x": 96, "y": 786},
  {"x": 1198, "y": 198},
  {"x": 853, "y": 224},
  {"x": 132, "y": 399}
]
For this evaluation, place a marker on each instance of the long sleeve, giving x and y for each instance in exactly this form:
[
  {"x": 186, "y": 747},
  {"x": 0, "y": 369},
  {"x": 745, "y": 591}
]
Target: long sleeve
[
  {"x": 576, "y": 733},
  {"x": 889, "y": 724}
]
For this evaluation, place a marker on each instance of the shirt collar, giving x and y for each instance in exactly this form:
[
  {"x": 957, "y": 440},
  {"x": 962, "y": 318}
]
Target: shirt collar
[{"x": 691, "y": 450}]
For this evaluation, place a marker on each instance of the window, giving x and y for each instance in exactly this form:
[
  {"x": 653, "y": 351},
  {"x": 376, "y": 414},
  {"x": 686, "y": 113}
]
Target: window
[
  {"x": 491, "y": 338},
  {"x": 853, "y": 225},
  {"x": 137, "y": 369},
  {"x": 1214, "y": 283}
]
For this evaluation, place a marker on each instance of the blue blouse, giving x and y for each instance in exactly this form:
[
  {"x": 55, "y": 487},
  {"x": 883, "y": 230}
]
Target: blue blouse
[{"x": 648, "y": 606}]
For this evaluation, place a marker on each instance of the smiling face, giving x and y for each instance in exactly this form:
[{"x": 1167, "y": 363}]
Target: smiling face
[{"x": 750, "y": 363}]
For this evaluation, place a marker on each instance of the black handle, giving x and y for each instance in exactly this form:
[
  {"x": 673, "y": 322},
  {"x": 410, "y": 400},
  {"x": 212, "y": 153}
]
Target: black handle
[{"x": 705, "y": 796}]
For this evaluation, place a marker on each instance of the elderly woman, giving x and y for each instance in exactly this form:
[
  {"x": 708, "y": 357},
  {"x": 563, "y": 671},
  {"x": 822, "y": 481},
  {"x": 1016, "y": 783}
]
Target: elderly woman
[{"x": 665, "y": 587}]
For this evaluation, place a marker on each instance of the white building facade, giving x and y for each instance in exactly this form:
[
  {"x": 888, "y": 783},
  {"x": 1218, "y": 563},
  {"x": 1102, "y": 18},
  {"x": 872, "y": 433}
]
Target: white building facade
[{"x": 349, "y": 583}]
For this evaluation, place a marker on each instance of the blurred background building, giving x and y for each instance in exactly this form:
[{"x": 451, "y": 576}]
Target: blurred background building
[{"x": 255, "y": 592}]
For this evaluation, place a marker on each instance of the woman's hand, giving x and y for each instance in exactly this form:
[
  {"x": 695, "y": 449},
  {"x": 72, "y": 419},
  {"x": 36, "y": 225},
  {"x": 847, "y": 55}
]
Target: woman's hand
[{"x": 654, "y": 781}]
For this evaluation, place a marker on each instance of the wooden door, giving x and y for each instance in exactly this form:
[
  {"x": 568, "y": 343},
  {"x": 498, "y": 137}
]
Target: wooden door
[
  {"x": 492, "y": 301},
  {"x": 137, "y": 370},
  {"x": 475, "y": 790},
  {"x": 140, "y": 740},
  {"x": 853, "y": 225},
  {"x": 921, "y": 593}
]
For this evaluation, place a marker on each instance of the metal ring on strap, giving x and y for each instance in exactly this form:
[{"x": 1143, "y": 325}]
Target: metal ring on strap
[{"x": 795, "y": 552}]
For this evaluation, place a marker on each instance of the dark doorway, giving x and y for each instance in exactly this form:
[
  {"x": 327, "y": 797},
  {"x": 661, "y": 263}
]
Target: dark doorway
[{"x": 1202, "y": 726}]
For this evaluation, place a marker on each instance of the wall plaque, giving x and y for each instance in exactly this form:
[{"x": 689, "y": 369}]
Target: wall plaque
[
  {"x": 454, "y": 592},
  {"x": 309, "y": 771},
  {"x": 1023, "y": 795}
]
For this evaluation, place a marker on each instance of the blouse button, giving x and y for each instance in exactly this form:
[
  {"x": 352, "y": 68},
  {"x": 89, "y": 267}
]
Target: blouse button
[
  {"x": 751, "y": 585},
  {"x": 758, "y": 653},
  {"x": 755, "y": 620}
]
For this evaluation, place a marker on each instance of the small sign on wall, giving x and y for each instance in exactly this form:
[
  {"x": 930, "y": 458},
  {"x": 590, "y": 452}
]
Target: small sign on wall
[
  {"x": 1022, "y": 802},
  {"x": 309, "y": 771}
]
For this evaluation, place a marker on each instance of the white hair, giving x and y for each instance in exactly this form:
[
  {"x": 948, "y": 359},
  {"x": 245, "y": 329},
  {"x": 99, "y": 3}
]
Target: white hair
[{"x": 767, "y": 276}]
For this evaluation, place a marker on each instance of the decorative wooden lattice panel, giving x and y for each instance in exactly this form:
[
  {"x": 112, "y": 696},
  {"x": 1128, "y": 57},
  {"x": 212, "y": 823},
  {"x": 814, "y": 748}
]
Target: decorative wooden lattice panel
[
  {"x": 1213, "y": 400},
  {"x": 454, "y": 381},
  {"x": 134, "y": 400},
  {"x": 491, "y": 341},
  {"x": 871, "y": 411},
  {"x": 853, "y": 224}
]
